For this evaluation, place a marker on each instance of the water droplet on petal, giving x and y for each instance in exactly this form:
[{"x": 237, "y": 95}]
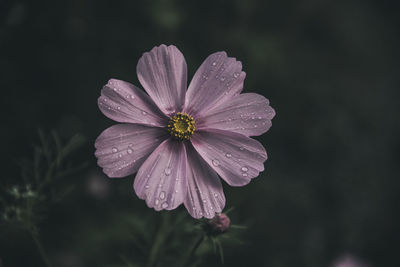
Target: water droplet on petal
[
  {"x": 162, "y": 195},
  {"x": 236, "y": 74},
  {"x": 120, "y": 155},
  {"x": 167, "y": 171},
  {"x": 214, "y": 63},
  {"x": 129, "y": 151},
  {"x": 259, "y": 117},
  {"x": 244, "y": 174},
  {"x": 118, "y": 107},
  {"x": 144, "y": 113},
  {"x": 157, "y": 201},
  {"x": 164, "y": 205},
  {"x": 114, "y": 150},
  {"x": 228, "y": 155},
  {"x": 215, "y": 162},
  {"x": 222, "y": 79},
  {"x": 241, "y": 148},
  {"x": 245, "y": 169}
]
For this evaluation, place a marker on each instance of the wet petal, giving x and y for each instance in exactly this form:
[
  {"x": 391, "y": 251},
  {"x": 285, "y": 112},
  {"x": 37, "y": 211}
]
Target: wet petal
[
  {"x": 161, "y": 180},
  {"x": 205, "y": 195},
  {"x": 218, "y": 79},
  {"x": 249, "y": 114},
  {"x": 123, "y": 102},
  {"x": 163, "y": 74},
  {"x": 122, "y": 148},
  {"x": 235, "y": 157}
]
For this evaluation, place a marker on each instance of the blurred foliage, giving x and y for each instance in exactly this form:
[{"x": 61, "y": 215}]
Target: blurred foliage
[{"x": 329, "y": 68}]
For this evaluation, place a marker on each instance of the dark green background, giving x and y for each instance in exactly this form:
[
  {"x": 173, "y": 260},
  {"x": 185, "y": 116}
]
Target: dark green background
[{"x": 329, "y": 68}]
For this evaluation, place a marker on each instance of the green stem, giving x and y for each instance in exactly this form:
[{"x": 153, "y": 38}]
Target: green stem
[
  {"x": 189, "y": 255},
  {"x": 159, "y": 240},
  {"x": 40, "y": 248}
]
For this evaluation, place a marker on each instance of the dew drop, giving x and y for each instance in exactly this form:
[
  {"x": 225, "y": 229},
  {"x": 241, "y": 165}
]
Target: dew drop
[
  {"x": 244, "y": 174},
  {"x": 255, "y": 125},
  {"x": 118, "y": 107},
  {"x": 228, "y": 155},
  {"x": 176, "y": 191},
  {"x": 105, "y": 99},
  {"x": 144, "y": 113},
  {"x": 236, "y": 74},
  {"x": 241, "y": 148},
  {"x": 162, "y": 195},
  {"x": 215, "y": 162},
  {"x": 114, "y": 150},
  {"x": 164, "y": 205},
  {"x": 215, "y": 195},
  {"x": 259, "y": 117},
  {"x": 222, "y": 79},
  {"x": 167, "y": 171},
  {"x": 214, "y": 63},
  {"x": 204, "y": 201},
  {"x": 157, "y": 201},
  {"x": 129, "y": 151},
  {"x": 245, "y": 169},
  {"x": 120, "y": 155},
  {"x": 147, "y": 186}
]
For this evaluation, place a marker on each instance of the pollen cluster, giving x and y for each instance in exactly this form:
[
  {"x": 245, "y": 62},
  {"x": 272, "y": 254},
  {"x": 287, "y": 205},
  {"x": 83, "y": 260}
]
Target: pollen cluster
[{"x": 181, "y": 126}]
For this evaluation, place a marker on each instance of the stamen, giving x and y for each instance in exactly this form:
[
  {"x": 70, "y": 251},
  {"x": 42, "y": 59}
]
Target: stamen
[{"x": 181, "y": 126}]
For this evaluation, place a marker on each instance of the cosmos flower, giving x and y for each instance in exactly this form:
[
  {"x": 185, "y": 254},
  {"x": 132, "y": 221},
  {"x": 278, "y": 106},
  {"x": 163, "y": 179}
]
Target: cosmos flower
[{"x": 180, "y": 139}]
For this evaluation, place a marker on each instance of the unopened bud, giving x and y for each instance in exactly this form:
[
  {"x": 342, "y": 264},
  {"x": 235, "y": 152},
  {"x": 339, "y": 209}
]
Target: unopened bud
[{"x": 220, "y": 223}]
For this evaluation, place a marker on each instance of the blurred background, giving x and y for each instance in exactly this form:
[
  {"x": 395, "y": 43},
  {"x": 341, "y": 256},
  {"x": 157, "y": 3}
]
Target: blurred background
[{"x": 329, "y": 68}]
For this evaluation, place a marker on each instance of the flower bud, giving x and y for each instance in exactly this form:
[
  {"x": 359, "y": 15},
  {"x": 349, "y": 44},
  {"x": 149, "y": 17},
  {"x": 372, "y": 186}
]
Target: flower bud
[{"x": 220, "y": 223}]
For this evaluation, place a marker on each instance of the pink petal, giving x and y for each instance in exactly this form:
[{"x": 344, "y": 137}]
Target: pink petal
[
  {"x": 123, "y": 102},
  {"x": 122, "y": 148},
  {"x": 217, "y": 80},
  {"x": 163, "y": 74},
  {"x": 235, "y": 157},
  {"x": 161, "y": 180},
  {"x": 205, "y": 195},
  {"x": 249, "y": 114}
]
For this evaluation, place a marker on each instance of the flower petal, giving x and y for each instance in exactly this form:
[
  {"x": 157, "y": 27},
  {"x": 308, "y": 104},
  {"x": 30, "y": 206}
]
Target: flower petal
[
  {"x": 205, "y": 195},
  {"x": 163, "y": 74},
  {"x": 235, "y": 157},
  {"x": 123, "y": 102},
  {"x": 249, "y": 114},
  {"x": 122, "y": 148},
  {"x": 161, "y": 180},
  {"x": 217, "y": 80}
]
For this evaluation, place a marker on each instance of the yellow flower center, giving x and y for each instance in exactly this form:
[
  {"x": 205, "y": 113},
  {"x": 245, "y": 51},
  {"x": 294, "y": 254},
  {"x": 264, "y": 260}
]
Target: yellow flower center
[{"x": 181, "y": 126}]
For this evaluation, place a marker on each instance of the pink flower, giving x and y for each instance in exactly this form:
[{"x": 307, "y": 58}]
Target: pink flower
[{"x": 178, "y": 139}]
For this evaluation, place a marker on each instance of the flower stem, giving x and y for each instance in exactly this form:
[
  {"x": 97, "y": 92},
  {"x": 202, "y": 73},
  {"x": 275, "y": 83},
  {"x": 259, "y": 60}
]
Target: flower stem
[
  {"x": 158, "y": 240},
  {"x": 189, "y": 255},
  {"x": 40, "y": 247}
]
